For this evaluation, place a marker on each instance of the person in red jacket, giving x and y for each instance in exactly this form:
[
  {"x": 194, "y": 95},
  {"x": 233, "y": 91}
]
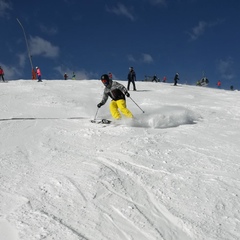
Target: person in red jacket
[
  {"x": 2, "y": 74},
  {"x": 110, "y": 75},
  {"x": 65, "y": 76},
  {"x": 39, "y": 75}
]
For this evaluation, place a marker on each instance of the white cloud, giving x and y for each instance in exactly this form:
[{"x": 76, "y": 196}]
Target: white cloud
[
  {"x": 121, "y": 10},
  {"x": 131, "y": 58},
  {"x": 198, "y": 30},
  {"x": 4, "y": 7},
  {"x": 80, "y": 74},
  {"x": 22, "y": 59},
  {"x": 49, "y": 30},
  {"x": 39, "y": 46},
  {"x": 10, "y": 72},
  {"x": 147, "y": 58},
  {"x": 225, "y": 68},
  {"x": 202, "y": 26}
]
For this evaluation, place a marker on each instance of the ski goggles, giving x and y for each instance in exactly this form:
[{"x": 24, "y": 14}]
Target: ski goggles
[{"x": 104, "y": 81}]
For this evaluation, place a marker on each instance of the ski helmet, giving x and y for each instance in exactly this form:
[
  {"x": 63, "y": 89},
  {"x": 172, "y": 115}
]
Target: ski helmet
[
  {"x": 36, "y": 67},
  {"x": 105, "y": 79}
]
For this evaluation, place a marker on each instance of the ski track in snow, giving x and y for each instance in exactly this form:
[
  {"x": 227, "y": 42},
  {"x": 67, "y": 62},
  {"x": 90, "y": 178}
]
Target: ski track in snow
[{"x": 168, "y": 174}]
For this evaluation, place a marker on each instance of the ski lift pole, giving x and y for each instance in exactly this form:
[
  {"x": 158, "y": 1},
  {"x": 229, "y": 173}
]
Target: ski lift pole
[
  {"x": 29, "y": 55},
  {"x": 136, "y": 104}
]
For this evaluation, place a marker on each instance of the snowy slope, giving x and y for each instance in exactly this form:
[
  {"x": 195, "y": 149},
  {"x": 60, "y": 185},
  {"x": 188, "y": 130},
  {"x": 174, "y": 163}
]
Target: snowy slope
[{"x": 171, "y": 173}]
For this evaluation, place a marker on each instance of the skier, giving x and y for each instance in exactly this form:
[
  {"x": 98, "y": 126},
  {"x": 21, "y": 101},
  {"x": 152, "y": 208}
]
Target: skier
[
  {"x": 154, "y": 78},
  {"x": 176, "y": 78},
  {"x": 219, "y": 84},
  {"x": 2, "y": 74},
  {"x": 74, "y": 76},
  {"x": 110, "y": 75},
  {"x": 164, "y": 79},
  {"x": 117, "y": 92},
  {"x": 65, "y": 76},
  {"x": 39, "y": 75},
  {"x": 131, "y": 78}
]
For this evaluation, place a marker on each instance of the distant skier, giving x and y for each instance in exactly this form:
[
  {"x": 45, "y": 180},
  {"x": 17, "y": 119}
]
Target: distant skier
[
  {"x": 39, "y": 75},
  {"x": 219, "y": 84},
  {"x": 164, "y": 79},
  {"x": 176, "y": 78},
  {"x": 110, "y": 75},
  {"x": 131, "y": 78},
  {"x": 117, "y": 92},
  {"x": 154, "y": 78},
  {"x": 74, "y": 76},
  {"x": 2, "y": 74},
  {"x": 65, "y": 76}
]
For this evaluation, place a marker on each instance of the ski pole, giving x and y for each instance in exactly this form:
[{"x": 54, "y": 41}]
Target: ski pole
[
  {"x": 96, "y": 114},
  {"x": 136, "y": 104}
]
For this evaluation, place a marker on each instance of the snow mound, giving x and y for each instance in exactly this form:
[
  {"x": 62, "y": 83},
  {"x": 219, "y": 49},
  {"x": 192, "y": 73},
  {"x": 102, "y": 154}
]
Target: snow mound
[{"x": 165, "y": 117}]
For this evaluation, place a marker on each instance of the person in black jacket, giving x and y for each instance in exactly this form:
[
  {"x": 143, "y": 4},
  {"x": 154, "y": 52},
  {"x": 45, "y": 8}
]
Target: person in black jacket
[
  {"x": 116, "y": 92},
  {"x": 176, "y": 78},
  {"x": 155, "y": 78},
  {"x": 131, "y": 79}
]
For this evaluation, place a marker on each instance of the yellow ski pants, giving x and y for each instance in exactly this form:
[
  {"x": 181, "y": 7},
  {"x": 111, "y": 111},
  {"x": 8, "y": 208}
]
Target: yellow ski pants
[{"x": 121, "y": 105}]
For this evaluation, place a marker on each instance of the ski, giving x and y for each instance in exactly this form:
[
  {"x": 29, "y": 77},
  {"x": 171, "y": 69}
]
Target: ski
[{"x": 102, "y": 121}]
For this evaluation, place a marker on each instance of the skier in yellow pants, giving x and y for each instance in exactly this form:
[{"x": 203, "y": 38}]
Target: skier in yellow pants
[{"x": 117, "y": 92}]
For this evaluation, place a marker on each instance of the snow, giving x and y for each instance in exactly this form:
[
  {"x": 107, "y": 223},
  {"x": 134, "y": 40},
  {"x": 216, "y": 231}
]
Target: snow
[{"x": 171, "y": 173}]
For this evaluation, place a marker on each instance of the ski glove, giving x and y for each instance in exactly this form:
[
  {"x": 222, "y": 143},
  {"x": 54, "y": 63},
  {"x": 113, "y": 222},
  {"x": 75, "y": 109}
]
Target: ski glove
[
  {"x": 127, "y": 94},
  {"x": 99, "y": 105}
]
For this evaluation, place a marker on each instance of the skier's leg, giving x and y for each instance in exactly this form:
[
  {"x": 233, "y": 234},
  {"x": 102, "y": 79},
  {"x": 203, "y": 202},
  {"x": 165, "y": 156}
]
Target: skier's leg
[
  {"x": 39, "y": 78},
  {"x": 123, "y": 108},
  {"x": 114, "y": 110},
  {"x": 134, "y": 86},
  {"x": 128, "y": 85}
]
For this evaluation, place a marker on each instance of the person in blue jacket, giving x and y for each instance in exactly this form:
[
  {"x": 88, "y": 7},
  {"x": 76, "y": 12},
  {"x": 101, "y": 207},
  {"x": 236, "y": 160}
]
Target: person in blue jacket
[{"x": 131, "y": 79}]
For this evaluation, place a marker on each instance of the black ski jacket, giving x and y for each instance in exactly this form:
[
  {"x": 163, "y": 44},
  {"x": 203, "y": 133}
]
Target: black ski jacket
[{"x": 114, "y": 90}]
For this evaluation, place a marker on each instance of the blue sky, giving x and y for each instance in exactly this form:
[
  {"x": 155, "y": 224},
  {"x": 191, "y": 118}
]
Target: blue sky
[{"x": 92, "y": 37}]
